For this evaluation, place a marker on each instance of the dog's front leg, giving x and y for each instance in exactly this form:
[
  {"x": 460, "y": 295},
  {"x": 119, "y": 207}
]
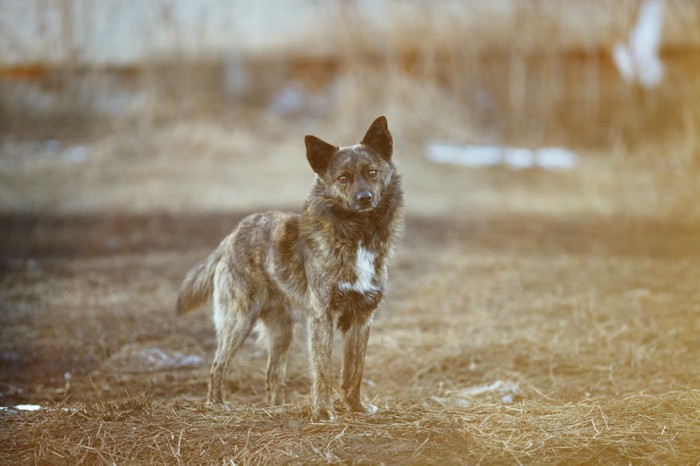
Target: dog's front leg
[
  {"x": 321, "y": 347},
  {"x": 354, "y": 349}
]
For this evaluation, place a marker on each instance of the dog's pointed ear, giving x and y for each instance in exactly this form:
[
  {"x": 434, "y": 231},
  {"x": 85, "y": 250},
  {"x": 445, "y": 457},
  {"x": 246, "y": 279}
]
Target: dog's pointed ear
[
  {"x": 319, "y": 153},
  {"x": 379, "y": 138}
]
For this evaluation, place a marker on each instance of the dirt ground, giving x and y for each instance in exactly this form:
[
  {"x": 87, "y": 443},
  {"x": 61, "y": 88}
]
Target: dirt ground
[{"x": 533, "y": 317}]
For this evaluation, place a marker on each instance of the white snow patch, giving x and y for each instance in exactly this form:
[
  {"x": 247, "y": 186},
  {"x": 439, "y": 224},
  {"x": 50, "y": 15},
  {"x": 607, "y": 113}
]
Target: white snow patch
[
  {"x": 159, "y": 359},
  {"x": 547, "y": 158},
  {"x": 75, "y": 155},
  {"x": 27, "y": 407},
  {"x": 499, "y": 391}
]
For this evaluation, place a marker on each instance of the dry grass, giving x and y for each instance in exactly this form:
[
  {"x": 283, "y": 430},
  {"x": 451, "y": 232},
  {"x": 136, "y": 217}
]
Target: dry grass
[
  {"x": 594, "y": 321},
  {"x": 637, "y": 428}
]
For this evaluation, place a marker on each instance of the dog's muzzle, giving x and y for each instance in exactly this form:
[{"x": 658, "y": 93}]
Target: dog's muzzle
[{"x": 363, "y": 200}]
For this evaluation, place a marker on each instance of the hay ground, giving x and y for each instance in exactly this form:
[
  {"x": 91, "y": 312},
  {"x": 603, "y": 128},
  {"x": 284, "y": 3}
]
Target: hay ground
[{"x": 579, "y": 289}]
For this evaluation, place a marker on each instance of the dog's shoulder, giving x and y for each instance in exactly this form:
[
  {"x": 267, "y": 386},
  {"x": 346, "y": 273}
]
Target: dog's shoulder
[{"x": 284, "y": 232}]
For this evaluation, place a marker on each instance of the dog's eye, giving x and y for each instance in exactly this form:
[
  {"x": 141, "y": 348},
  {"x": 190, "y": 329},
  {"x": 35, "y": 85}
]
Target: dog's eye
[
  {"x": 342, "y": 179},
  {"x": 372, "y": 173}
]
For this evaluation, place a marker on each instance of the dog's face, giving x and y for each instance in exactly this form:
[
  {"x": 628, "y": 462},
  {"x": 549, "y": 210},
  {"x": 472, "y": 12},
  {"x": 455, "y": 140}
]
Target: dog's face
[{"x": 354, "y": 176}]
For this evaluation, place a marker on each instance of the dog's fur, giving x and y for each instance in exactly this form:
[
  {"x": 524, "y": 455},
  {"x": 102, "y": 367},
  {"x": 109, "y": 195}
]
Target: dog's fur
[{"x": 328, "y": 264}]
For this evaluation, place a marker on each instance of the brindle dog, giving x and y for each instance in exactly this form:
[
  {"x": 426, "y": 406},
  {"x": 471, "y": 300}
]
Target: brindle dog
[{"x": 327, "y": 265}]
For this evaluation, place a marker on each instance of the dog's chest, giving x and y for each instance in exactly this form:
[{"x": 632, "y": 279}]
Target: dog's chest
[
  {"x": 357, "y": 296},
  {"x": 363, "y": 276}
]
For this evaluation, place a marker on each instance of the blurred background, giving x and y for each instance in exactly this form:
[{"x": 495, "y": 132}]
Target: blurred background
[{"x": 176, "y": 105}]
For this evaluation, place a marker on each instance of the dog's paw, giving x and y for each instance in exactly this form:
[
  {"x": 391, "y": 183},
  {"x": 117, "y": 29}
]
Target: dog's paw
[
  {"x": 363, "y": 408},
  {"x": 323, "y": 415},
  {"x": 276, "y": 399},
  {"x": 218, "y": 406},
  {"x": 369, "y": 409},
  {"x": 357, "y": 406}
]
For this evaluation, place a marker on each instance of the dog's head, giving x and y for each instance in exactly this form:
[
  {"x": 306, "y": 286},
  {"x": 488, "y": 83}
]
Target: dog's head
[{"x": 354, "y": 176}]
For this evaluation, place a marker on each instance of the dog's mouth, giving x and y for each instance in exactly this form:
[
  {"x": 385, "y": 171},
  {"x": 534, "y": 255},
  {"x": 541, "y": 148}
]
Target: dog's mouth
[
  {"x": 364, "y": 201},
  {"x": 365, "y": 207},
  {"x": 359, "y": 209}
]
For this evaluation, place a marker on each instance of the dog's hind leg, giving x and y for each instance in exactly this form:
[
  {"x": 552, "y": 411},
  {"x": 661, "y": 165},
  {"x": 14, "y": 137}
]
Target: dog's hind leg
[
  {"x": 234, "y": 316},
  {"x": 278, "y": 329}
]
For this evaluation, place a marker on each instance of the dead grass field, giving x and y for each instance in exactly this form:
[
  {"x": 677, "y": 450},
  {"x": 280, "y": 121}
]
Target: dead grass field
[{"x": 577, "y": 291}]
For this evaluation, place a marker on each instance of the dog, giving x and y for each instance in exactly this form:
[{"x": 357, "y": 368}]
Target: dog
[{"x": 327, "y": 265}]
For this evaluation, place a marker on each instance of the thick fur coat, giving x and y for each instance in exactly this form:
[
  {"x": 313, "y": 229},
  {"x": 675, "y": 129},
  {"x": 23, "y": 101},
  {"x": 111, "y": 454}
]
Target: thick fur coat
[{"x": 327, "y": 265}]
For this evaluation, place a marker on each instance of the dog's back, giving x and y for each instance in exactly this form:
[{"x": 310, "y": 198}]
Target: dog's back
[{"x": 260, "y": 253}]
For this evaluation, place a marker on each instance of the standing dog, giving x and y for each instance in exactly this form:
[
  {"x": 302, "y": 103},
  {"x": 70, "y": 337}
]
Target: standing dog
[{"x": 328, "y": 264}]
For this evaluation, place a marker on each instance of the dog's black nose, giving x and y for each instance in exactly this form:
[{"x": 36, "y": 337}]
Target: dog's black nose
[{"x": 364, "y": 198}]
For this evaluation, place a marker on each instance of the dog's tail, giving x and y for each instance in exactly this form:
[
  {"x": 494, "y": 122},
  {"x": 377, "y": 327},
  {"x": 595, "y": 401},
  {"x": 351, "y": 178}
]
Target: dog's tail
[{"x": 198, "y": 286}]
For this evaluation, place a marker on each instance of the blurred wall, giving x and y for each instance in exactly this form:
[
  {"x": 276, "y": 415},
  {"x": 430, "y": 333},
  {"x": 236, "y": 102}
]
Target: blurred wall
[
  {"x": 128, "y": 32},
  {"x": 538, "y": 70}
]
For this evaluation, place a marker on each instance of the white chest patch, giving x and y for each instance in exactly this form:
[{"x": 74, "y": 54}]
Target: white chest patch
[{"x": 364, "y": 273}]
